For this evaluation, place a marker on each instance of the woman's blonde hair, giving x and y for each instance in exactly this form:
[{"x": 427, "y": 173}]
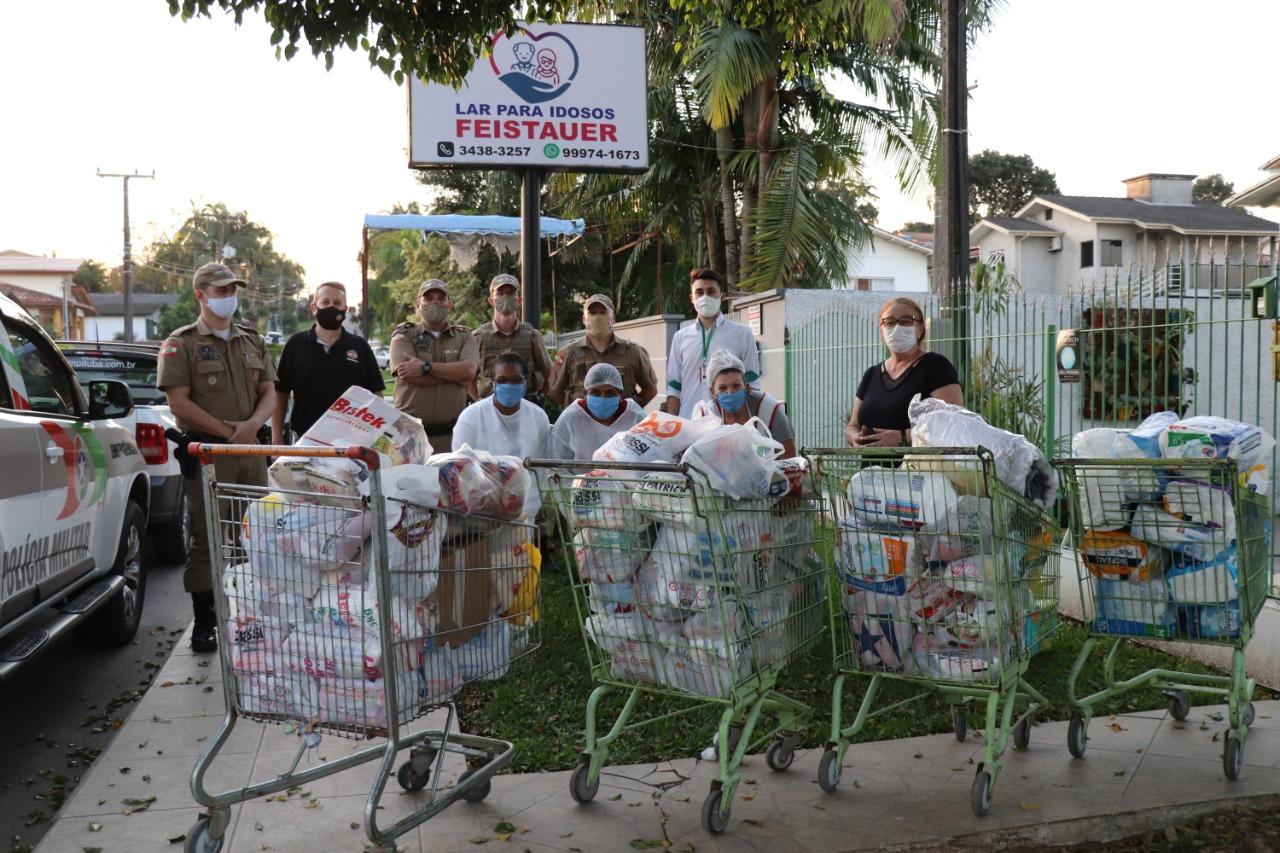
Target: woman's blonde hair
[{"x": 913, "y": 305}]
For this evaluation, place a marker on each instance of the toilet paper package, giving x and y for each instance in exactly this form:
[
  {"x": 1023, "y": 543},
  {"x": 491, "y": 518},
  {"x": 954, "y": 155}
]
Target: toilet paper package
[
  {"x": 895, "y": 499},
  {"x": 1132, "y": 608}
]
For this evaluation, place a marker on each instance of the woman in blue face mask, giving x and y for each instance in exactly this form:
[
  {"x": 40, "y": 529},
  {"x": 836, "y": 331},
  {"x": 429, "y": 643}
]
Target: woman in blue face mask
[
  {"x": 733, "y": 402},
  {"x": 590, "y": 421}
]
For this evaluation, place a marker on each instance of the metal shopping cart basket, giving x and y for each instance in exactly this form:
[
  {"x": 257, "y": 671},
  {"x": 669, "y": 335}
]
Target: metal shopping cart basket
[
  {"x": 942, "y": 576},
  {"x": 1168, "y": 549},
  {"x": 354, "y": 617},
  {"x": 686, "y": 593}
]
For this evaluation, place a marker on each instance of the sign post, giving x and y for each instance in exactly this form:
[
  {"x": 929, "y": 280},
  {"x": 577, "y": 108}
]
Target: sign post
[{"x": 548, "y": 97}]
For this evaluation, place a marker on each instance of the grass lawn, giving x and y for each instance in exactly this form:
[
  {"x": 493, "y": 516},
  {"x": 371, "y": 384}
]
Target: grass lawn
[{"x": 541, "y": 703}]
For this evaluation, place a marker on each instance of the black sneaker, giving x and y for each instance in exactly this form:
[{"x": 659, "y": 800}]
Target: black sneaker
[{"x": 204, "y": 639}]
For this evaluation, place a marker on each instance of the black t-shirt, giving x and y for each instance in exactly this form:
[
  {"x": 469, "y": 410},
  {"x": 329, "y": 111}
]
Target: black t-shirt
[
  {"x": 316, "y": 378},
  {"x": 885, "y": 400}
]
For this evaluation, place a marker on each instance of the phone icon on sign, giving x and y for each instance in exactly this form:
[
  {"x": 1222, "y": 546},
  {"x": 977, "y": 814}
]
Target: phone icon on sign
[{"x": 444, "y": 149}]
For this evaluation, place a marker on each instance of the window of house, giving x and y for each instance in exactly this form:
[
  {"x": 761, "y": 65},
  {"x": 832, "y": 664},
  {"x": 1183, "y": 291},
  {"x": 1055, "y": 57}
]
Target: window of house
[
  {"x": 995, "y": 257},
  {"x": 1112, "y": 253},
  {"x": 1048, "y": 214},
  {"x": 1086, "y": 254}
]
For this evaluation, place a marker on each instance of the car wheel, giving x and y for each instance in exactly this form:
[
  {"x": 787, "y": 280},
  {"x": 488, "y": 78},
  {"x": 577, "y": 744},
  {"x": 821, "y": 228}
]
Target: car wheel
[
  {"x": 169, "y": 539},
  {"x": 116, "y": 622}
]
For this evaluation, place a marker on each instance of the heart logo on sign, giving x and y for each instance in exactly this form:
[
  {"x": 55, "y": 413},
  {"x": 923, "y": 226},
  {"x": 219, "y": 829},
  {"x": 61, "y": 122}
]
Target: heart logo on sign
[{"x": 538, "y": 68}]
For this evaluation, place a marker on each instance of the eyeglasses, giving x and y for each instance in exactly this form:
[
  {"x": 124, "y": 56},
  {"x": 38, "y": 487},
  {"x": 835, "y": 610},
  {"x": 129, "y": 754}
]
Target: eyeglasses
[{"x": 890, "y": 322}]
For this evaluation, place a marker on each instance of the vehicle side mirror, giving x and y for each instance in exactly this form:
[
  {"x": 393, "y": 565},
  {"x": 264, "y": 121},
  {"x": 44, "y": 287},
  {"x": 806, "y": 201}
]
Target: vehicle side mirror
[{"x": 109, "y": 398}]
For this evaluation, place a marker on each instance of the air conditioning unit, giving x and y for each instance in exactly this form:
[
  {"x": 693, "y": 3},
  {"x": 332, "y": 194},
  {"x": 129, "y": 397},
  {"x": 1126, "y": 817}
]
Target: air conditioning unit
[{"x": 1055, "y": 244}]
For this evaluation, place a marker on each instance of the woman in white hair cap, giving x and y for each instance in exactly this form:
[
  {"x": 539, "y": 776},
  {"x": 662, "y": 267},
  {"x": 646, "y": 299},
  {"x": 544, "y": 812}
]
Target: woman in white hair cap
[
  {"x": 734, "y": 402},
  {"x": 590, "y": 421}
]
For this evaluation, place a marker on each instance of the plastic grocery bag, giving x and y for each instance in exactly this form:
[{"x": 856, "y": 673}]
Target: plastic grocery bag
[
  {"x": 1019, "y": 464},
  {"x": 438, "y": 678},
  {"x": 967, "y": 531},
  {"x": 693, "y": 566},
  {"x": 660, "y": 437},
  {"x": 880, "y": 623},
  {"x": 974, "y": 575},
  {"x": 1210, "y": 621},
  {"x": 633, "y": 644},
  {"x": 1206, "y": 437},
  {"x": 1187, "y": 539},
  {"x": 331, "y": 652},
  {"x": 474, "y": 482},
  {"x": 486, "y": 656},
  {"x": 704, "y": 673},
  {"x": 359, "y": 607},
  {"x": 289, "y": 540},
  {"x": 660, "y": 595},
  {"x": 1116, "y": 553},
  {"x": 739, "y": 460},
  {"x": 1131, "y": 608},
  {"x": 1213, "y": 582},
  {"x": 610, "y": 556},
  {"x": 1203, "y": 504},
  {"x": 413, "y": 549},
  {"x": 277, "y": 696},
  {"x": 358, "y": 418},
  {"x": 611, "y": 598},
  {"x": 1107, "y": 492},
  {"x": 667, "y": 497},
  {"x": 360, "y": 702},
  {"x": 894, "y": 499},
  {"x": 601, "y": 498},
  {"x": 873, "y": 554},
  {"x": 929, "y": 599}
]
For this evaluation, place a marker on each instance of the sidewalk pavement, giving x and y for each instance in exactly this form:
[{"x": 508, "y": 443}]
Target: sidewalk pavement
[{"x": 1141, "y": 771}]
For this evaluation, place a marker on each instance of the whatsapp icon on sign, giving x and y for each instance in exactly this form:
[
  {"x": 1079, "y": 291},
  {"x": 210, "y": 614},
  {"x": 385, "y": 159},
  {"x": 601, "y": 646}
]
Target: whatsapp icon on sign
[{"x": 551, "y": 150}]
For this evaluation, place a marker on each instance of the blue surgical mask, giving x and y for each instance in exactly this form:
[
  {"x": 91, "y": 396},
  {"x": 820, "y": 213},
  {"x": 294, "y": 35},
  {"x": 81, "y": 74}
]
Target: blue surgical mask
[
  {"x": 509, "y": 395},
  {"x": 603, "y": 408},
  {"x": 732, "y": 400}
]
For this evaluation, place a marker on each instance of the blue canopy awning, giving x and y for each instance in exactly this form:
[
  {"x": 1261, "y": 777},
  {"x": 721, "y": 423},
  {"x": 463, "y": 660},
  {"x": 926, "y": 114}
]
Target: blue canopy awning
[{"x": 455, "y": 223}]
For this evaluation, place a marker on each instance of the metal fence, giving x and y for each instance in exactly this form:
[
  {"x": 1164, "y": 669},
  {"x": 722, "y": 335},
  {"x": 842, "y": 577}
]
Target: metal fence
[{"x": 1143, "y": 347}]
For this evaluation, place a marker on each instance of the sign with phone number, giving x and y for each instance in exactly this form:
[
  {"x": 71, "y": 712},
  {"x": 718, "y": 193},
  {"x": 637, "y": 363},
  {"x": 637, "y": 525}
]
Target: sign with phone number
[{"x": 567, "y": 97}]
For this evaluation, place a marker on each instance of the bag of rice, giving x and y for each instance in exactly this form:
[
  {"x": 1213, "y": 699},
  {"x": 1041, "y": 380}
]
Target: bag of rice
[
  {"x": 610, "y": 556},
  {"x": 600, "y": 498}
]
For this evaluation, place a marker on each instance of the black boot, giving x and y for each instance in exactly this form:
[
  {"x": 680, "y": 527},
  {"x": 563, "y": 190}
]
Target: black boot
[{"x": 204, "y": 636}]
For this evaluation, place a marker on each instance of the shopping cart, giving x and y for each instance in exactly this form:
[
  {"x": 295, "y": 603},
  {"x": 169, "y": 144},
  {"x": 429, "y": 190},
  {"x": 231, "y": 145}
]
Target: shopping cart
[
  {"x": 1168, "y": 549},
  {"x": 353, "y": 617},
  {"x": 942, "y": 576},
  {"x": 683, "y": 592}
]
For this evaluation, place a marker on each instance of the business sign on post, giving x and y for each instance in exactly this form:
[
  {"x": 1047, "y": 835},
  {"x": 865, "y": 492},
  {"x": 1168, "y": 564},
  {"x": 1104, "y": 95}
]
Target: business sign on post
[
  {"x": 1068, "y": 355},
  {"x": 568, "y": 97}
]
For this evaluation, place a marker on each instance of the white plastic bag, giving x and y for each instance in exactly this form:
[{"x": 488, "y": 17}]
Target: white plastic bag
[
  {"x": 438, "y": 678},
  {"x": 1107, "y": 492},
  {"x": 894, "y": 499},
  {"x": 974, "y": 575},
  {"x": 486, "y": 656},
  {"x": 704, "y": 673},
  {"x": 1213, "y": 582},
  {"x": 332, "y": 652},
  {"x": 360, "y": 702},
  {"x": 1019, "y": 464},
  {"x": 600, "y": 498},
  {"x": 739, "y": 460},
  {"x": 1188, "y": 539},
  {"x": 357, "y": 607},
  {"x": 474, "y": 482},
  {"x": 968, "y": 530},
  {"x": 277, "y": 695},
  {"x": 610, "y": 556},
  {"x": 413, "y": 549},
  {"x": 660, "y": 437},
  {"x": 667, "y": 498},
  {"x": 1202, "y": 503},
  {"x": 633, "y": 644},
  {"x": 289, "y": 540},
  {"x": 1207, "y": 437},
  {"x": 656, "y": 589}
]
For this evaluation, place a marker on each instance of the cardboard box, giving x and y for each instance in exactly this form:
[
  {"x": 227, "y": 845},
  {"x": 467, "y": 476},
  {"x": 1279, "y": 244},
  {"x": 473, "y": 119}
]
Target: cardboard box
[{"x": 462, "y": 604}]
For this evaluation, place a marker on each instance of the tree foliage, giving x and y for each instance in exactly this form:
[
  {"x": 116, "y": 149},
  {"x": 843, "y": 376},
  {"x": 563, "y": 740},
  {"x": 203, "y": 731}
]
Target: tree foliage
[
  {"x": 1213, "y": 188},
  {"x": 92, "y": 276},
  {"x": 1000, "y": 184},
  {"x": 918, "y": 227}
]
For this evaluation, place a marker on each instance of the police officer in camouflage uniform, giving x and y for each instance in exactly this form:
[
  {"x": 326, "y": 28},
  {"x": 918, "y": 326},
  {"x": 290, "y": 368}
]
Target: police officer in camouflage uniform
[
  {"x": 505, "y": 333},
  {"x": 434, "y": 363},
  {"x": 221, "y": 388},
  {"x": 601, "y": 346}
]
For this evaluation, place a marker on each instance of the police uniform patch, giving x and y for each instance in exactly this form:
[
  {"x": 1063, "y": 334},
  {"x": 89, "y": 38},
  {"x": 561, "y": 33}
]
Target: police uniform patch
[
  {"x": 206, "y": 352},
  {"x": 170, "y": 350},
  {"x": 352, "y": 355}
]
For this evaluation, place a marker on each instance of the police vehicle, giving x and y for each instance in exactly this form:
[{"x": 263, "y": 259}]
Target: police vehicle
[{"x": 73, "y": 500}]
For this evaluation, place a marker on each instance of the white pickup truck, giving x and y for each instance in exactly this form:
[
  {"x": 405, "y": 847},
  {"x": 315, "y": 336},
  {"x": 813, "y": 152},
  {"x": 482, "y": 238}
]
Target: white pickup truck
[
  {"x": 73, "y": 499},
  {"x": 135, "y": 365}
]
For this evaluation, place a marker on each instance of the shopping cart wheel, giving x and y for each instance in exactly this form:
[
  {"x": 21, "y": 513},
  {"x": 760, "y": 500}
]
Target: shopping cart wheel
[
  {"x": 714, "y": 820},
  {"x": 1022, "y": 732},
  {"x": 580, "y": 788},
  {"x": 780, "y": 755},
  {"x": 1249, "y": 715},
  {"x": 1232, "y": 757},
  {"x": 477, "y": 794},
  {"x": 1179, "y": 704},
  {"x": 959, "y": 722},
  {"x": 1076, "y": 737},
  {"x": 980, "y": 794},
  {"x": 411, "y": 780},
  {"x": 829, "y": 771},
  {"x": 198, "y": 840}
]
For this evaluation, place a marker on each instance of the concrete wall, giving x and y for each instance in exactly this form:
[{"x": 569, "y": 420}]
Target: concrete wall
[
  {"x": 50, "y": 283},
  {"x": 105, "y": 328}
]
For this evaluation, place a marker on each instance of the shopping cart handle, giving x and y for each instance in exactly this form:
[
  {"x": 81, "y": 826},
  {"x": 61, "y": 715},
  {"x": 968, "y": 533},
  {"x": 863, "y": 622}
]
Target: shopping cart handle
[
  {"x": 594, "y": 465},
  {"x": 206, "y": 452}
]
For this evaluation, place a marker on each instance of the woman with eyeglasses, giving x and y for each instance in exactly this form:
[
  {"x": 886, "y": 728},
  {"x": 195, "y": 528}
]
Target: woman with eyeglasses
[{"x": 879, "y": 417}]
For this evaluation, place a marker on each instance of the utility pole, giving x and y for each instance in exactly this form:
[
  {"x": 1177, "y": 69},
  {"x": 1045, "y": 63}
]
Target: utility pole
[
  {"x": 531, "y": 245},
  {"x": 951, "y": 242},
  {"x": 127, "y": 266}
]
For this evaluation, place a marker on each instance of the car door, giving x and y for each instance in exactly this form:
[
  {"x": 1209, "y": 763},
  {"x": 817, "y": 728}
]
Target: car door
[
  {"x": 21, "y": 490},
  {"x": 58, "y": 545}
]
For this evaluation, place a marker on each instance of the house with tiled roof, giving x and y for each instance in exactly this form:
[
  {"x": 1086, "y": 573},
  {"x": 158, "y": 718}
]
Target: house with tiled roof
[
  {"x": 1155, "y": 232},
  {"x": 43, "y": 286}
]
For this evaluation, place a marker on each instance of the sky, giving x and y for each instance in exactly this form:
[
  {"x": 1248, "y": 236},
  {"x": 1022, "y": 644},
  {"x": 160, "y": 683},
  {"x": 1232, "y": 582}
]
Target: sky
[{"x": 1094, "y": 90}]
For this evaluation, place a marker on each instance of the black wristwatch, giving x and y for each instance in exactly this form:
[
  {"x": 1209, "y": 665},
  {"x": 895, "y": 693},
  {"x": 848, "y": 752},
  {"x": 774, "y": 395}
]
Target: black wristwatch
[{"x": 426, "y": 368}]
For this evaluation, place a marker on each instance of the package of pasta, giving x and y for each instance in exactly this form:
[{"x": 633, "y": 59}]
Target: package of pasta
[{"x": 1116, "y": 553}]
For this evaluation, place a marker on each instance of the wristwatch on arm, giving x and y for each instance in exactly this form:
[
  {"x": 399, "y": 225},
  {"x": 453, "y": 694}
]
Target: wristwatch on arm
[{"x": 426, "y": 368}]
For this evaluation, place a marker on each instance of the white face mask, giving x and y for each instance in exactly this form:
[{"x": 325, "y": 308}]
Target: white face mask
[
  {"x": 223, "y": 306},
  {"x": 901, "y": 339},
  {"x": 707, "y": 306}
]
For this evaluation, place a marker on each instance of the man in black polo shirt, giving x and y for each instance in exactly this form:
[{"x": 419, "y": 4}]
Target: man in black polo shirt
[{"x": 319, "y": 364}]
